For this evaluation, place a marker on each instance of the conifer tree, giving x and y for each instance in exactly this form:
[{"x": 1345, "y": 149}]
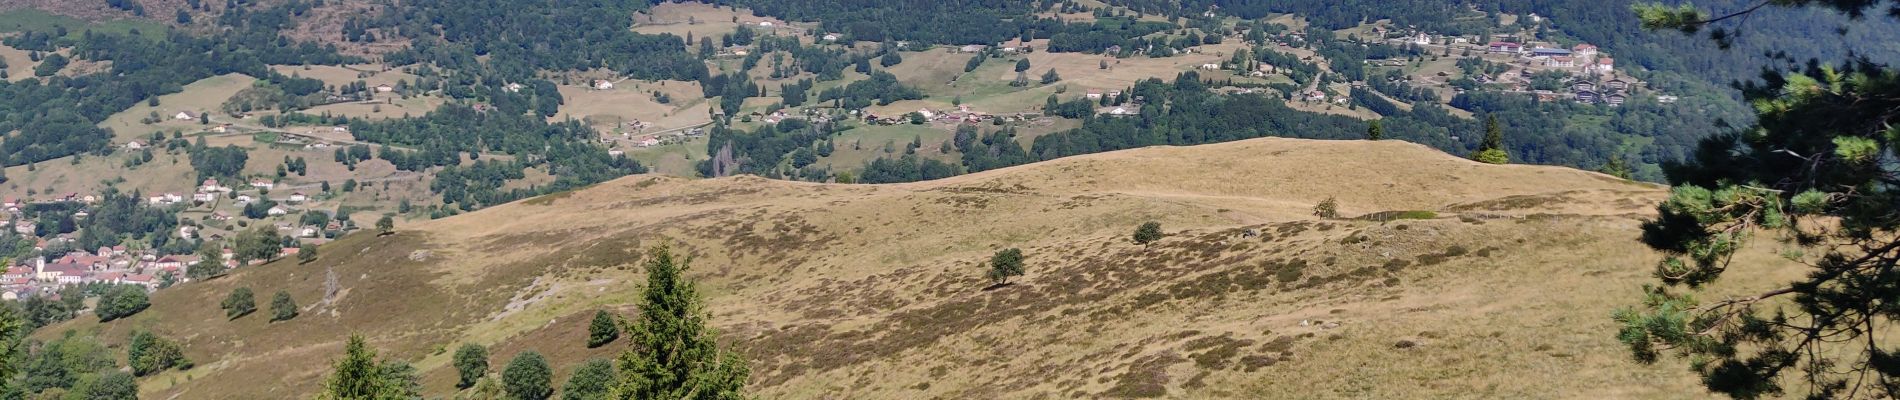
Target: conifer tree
[
  {"x": 603, "y": 330},
  {"x": 1491, "y": 150},
  {"x": 674, "y": 354},
  {"x": 1816, "y": 172},
  {"x": 1375, "y": 131},
  {"x": 359, "y": 376}
]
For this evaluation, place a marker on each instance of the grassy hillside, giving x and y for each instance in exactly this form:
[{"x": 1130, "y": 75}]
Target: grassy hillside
[{"x": 862, "y": 291}]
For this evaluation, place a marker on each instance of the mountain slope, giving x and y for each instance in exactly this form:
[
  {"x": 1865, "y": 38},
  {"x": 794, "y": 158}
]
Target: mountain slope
[{"x": 874, "y": 291}]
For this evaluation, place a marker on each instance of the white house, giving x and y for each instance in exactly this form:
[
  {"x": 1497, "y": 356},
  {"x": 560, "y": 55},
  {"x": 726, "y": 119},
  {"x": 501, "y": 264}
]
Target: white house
[
  {"x": 183, "y": 116},
  {"x": 603, "y": 85},
  {"x": 263, "y": 184},
  {"x": 1606, "y": 65},
  {"x": 204, "y": 197},
  {"x": 277, "y": 210},
  {"x": 385, "y": 88},
  {"x": 134, "y": 145},
  {"x": 765, "y": 24},
  {"x": 1210, "y": 66},
  {"x": 298, "y": 197},
  {"x": 831, "y": 37},
  {"x": 245, "y": 199}
]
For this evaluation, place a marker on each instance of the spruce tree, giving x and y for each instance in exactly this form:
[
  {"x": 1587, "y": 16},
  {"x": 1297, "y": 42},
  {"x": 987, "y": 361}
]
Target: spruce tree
[
  {"x": 1491, "y": 150},
  {"x": 12, "y": 347},
  {"x": 602, "y": 330},
  {"x": 359, "y": 376},
  {"x": 674, "y": 354},
  {"x": 1375, "y": 131}
]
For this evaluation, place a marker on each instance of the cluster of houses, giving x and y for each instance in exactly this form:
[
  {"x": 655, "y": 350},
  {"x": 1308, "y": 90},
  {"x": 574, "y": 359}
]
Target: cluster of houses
[
  {"x": 107, "y": 265},
  {"x": 962, "y": 115},
  {"x": 1612, "y": 92}
]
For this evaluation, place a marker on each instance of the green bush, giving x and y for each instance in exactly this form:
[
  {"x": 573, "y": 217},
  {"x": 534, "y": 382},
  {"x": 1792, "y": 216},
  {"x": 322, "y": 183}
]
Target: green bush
[
  {"x": 241, "y": 302},
  {"x": 1148, "y": 233}
]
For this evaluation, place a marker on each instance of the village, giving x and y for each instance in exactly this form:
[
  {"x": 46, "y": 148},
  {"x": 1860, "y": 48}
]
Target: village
[{"x": 55, "y": 262}]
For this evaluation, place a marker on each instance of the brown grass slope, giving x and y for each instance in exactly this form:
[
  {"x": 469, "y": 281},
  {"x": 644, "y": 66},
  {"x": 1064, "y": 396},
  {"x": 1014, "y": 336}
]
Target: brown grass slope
[{"x": 873, "y": 291}]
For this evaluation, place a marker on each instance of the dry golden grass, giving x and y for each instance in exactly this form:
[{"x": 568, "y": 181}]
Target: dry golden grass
[
  {"x": 205, "y": 95},
  {"x": 874, "y": 291},
  {"x": 331, "y": 75},
  {"x": 702, "y": 20},
  {"x": 19, "y": 63},
  {"x": 632, "y": 100},
  {"x": 165, "y": 173}
]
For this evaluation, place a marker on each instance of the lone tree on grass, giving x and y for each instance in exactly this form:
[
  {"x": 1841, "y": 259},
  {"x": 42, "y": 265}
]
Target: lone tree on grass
[
  {"x": 240, "y": 303},
  {"x": 386, "y": 225},
  {"x": 1375, "y": 131},
  {"x": 1491, "y": 151},
  {"x": 282, "y": 308},
  {"x": 1148, "y": 233},
  {"x": 528, "y": 377},
  {"x": 673, "y": 354},
  {"x": 603, "y": 330},
  {"x": 1005, "y": 264},
  {"x": 471, "y": 364},
  {"x": 306, "y": 253},
  {"x": 1818, "y": 170}
]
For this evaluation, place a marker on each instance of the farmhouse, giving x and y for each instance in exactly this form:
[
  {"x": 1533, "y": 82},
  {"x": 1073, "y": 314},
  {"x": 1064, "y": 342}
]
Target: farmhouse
[
  {"x": 277, "y": 210},
  {"x": 1583, "y": 86},
  {"x": 1606, "y": 65},
  {"x": 1617, "y": 84},
  {"x": 1546, "y": 52},
  {"x": 385, "y": 88},
  {"x": 298, "y": 197},
  {"x": 1561, "y": 62},
  {"x": 1615, "y": 99},
  {"x": 603, "y": 85},
  {"x": 1504, "y": 47},
  {"x": 1584, "y": 50},
  {"x": 134, "y": 145},
  {"x": 265, "y": 184},
  {"x": 183, "y": 116},
  {"x": 1586, "y": 97},
  {"x": 830, "y": 37},
  {"x": 1094, "y": 94}
]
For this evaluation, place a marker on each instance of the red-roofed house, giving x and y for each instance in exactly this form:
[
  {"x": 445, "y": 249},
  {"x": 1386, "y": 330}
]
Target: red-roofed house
[
  {"x": 150, "y": 282},
  {"x": 1505, "y": 47}
]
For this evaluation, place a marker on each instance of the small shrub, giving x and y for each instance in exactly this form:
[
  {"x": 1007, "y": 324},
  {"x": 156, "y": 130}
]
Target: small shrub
[
  {"x": 1328, "y": 208},
  {"x": 1148, "y": 233}
]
